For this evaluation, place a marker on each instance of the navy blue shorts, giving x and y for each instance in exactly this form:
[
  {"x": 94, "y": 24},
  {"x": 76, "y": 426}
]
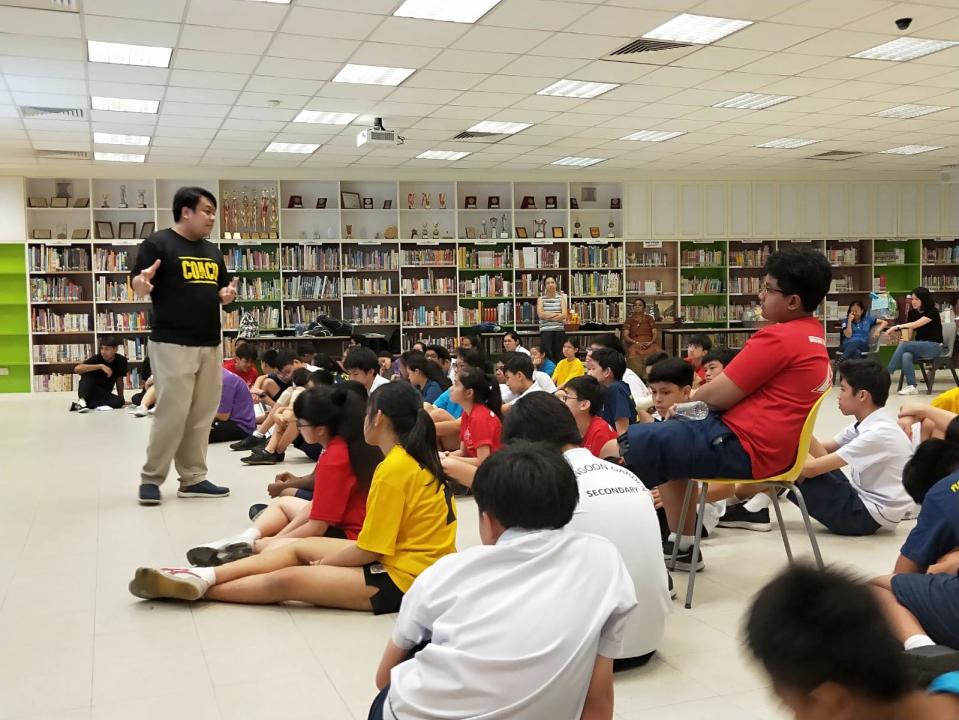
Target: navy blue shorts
[
  {"x": 833, "y": 501},
  {"x": 683, "y": 449},
  {"x": 934, "y": 600},
  {"x": 304, "y": 494}
]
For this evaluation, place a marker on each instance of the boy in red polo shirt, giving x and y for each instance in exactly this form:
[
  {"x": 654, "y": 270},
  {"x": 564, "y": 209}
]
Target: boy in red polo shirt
[
  {"x": 243, "y": 363},
  {"x": 759, "y": 403}
]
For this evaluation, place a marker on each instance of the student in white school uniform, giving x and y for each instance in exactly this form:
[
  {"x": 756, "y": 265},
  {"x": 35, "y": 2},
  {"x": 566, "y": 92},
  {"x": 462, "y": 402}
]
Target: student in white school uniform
[
  {"x": 479, "y": 615},
  {"x": 874, "y": 449},
  {"x": 637, "y": 388},
  {"x": 518, "y": 372}
]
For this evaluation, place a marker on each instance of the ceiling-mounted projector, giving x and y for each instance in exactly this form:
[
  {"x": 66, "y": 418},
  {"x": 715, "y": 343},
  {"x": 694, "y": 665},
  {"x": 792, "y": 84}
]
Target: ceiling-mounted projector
[{"x": 378, "y": 135}]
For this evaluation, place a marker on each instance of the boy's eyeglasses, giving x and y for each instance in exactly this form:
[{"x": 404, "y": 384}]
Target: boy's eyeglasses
[
  {"x": 765, "y": 288},
  {"x": 301, "y": 424}
]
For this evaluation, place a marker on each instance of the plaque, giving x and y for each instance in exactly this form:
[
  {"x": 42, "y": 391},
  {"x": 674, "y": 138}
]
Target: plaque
[
  {"x": 551, "y": 202},
  {"x": 492, "y": 202},
  {"x": 470, "y": 202},
  {"x": 295, "y": 201}
]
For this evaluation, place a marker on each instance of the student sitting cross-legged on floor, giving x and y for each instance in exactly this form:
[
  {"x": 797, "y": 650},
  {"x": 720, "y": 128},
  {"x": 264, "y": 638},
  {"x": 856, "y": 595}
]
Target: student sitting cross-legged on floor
[
  {"x": 234, "y": 418},
  {"x": 275, "y": 420},
  {"x": 332, "y": 417},
  {"x": 100, "y": 376},
  {"x": 584, "y": 397},
  {"x": 410, "y": 524},
  {"x": 478, "y": 616},
  {"x": 759, "y": 403},
  {"x": 830, "y": 654},
  {"x": 480, "y": 423},
  {"x": 619, "y": 408},
  {"x": 873, "y": 448},
  {"x": 569, "y": 366}
]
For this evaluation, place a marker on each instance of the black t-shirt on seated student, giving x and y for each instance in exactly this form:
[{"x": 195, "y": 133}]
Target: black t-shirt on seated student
[
  {"x": 186, "y": 301},
  {"x": 118, "y": 365},
  {"x": 932, "y": 330}
]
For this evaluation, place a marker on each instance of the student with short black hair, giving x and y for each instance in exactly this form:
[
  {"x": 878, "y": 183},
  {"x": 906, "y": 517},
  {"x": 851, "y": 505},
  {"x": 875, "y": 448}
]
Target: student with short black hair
[
  {"x": 822, "y": 639},
  {"x": 696, "y": 349},
  {"x": 362, "y": 366},
  {"x": 243, "y": 363},
  {"x": 518, "y": 375},
  {"x": 637, "y": 388},
  {"x": 234, "y": 418},
  {"x": 480, "y": 423},
  {"x": 410, "y": 523},
  {"x": 525, "y": 495},
  {"x": 671, "y": 382},
  {"x": 512, "y": 343},
  {"x": 278, "y": 380},
  {"x": 385, "y": 358},
  {"x": 100, "y": 376},
  {"x": 569, "y": 366},
  {"x": 584, "y": 398},
  {"x": 619, "y": 408},
  {"x": 305, "y": 352},
  {"x": 442, "y": 357},
  {"x": 715, "y": 360}
]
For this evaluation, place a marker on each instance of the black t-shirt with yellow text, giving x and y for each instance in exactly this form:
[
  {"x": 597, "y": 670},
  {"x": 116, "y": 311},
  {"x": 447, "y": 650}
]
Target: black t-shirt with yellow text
[{"x": 186, "y": 300}]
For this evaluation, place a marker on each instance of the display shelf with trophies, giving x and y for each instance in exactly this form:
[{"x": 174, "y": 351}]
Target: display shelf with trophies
[
  {"x": 479, "y": 204},
  {"x": 368, "y": 210},
  {"x": 596, "y": 209},
  {"x": 249, "y": 210},
  {"x": 310, "y": 210},
  {"x": 427, "y": 211},
  {"x": 58, "y": 209},
  {"x": 541, "y": 210},
  {"x": 123, "y": 209}
]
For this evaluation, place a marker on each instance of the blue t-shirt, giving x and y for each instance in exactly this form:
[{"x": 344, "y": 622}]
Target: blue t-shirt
[
  {"x": 937, "y": 529},
  {"x": 443, "y": 402},
  {"x": 547, "y": 367},
  {"x": 860, "y": 329},
  {"x": 618, "y": 404},
  {"x": 431, "y": 391},
  {"x": 235, "y": 399}
]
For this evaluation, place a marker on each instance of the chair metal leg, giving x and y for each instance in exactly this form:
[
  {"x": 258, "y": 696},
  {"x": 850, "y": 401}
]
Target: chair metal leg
[
  {"x": 801, "y": 502},
  {"x": 774, "y": 494},
  {"x": 954, "y": 376},
  {"x": 928, "y": 376},
  {"x": 696, "y": 538},
  {"x": 901, "y": 379},
  {"x": 682, "y": 521}
]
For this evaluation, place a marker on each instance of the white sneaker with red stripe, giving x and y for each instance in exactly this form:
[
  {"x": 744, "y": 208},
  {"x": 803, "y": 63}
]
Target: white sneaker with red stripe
[{"x": 168, "y": 583}]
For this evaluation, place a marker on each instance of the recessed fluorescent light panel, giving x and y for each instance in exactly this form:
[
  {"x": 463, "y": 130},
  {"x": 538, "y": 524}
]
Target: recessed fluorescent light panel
[
  {"x": 501, "y": 128},
  {"x": 372, "y": 74},
  {"x": 125, "y": 104},
  {"x": 577, "y": 89},
  {"x": 461, "y": 11},
  {"x": 441, "y": 155},
  {"x": 123, "y": 54},
  {"x": 275, "y": 2},
  {"x": 787, "y": 143},
  {"x": 911, "y": 149},
  {"x": 909, "y": 111},
  {"x": 111, "y": 139},
  {"x": 325, "y": 118},
  {"x": 652, "y": 135},
  {"x": 118, "y": 157},
  {"x": 699, "y": 29},
  {"x": 577, "y": 161},
  {"x": 298, "y": 148},
  {"x": 905, "y": 48},
  {"x": 753, "y": 101}
]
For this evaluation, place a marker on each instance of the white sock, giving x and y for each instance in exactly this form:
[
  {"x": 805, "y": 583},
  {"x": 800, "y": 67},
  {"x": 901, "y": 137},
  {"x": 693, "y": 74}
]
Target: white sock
[
  {"x": 685, "y": 541},
  {"x": 251, "y": 535},
  {"x": 207, "y": 573},
  {"x": 758, "y": 502},
  {"x": 915, "y": 641},
  {"x": 258, "y": 434}
]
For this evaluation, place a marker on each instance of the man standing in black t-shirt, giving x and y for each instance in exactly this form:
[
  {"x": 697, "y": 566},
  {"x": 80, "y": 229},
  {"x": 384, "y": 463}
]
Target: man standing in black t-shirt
[
  {"x": 185, "y": 276},
  {"x": 99, "y": 376}
]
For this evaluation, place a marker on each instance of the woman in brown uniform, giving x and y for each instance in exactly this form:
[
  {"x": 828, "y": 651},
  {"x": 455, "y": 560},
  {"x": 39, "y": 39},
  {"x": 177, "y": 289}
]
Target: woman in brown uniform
[{"x": 640, "y": 337}]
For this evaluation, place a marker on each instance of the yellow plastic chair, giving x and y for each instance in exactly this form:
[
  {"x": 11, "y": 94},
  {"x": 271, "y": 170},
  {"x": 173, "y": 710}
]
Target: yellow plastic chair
[{"x": 785, "y": 480}]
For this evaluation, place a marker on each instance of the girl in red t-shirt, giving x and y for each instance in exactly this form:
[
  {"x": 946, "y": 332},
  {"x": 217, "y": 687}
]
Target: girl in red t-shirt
[
  {"x": 332, "y": 417},
  {"x": 481, "y": 423}
]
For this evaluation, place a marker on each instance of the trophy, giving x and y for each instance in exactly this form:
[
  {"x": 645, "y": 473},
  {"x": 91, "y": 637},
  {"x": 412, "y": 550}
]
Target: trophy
[
  {"x": 426, "y": 201},
  {"x": 503, "y": 227},
  {"x": 265, "y": 211},
  {"x": 316, "y": 232},
  {"x": 612, "y": 232},
  {"x": 492, "y": 222},
  {"x": 442, "y": 199},
  {"x": 349, "y": 232},
  {"x": 227, "y": 209},
  {"x": 436, "y": 231},
  {"x": 411, "y": 201},
  {"x": 235, "y": 224},
  {"x": 141, "y": 198},
  {"x": 244, "y": 214},
  {"x": 576, "y": 227},
  {"x": 274, "y": 215},
  {"x": 426, "y": 231},
  {"x": 123, "y": 196},
  {"x": 540, "y": 224},
  {"x": 483, "y": 236},
  {"x": 106, "y": 200}
]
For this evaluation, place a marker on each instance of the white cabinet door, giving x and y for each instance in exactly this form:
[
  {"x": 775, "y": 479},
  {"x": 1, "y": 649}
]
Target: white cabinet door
[
  {"x": 691, "y": 210},
  {"x": 887, "y": 210},
  {"x": 814, "y": 210},
  {"x": 909, "y": 212},
  {"x": 764, "y": 209},
  {"x": 790, "y": 210},
  {"x": 637, "y": 210},
  {"x": 950, "y": 216},
  {"x": 837, "y": 197},
  {"x": 931, "y": 224},
  {"x": 714, "y": 209},
  {"x": 740, "y": 209},
  {"x": 861, "y": 214},
  {"x": 665, "y": 210}
]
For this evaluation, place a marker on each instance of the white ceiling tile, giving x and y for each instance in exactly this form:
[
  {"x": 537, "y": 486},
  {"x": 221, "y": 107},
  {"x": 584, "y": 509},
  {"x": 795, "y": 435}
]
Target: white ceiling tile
[
  {"x": 411, "y": 31},
  {"x": 422, "y": 95},
  {"x": 925, "y": 19},
  {"x": 539, "y": 66},
  {"x": 213, "y": 80},
  {"x": 610, "y": 71},
  {"x": 599, "y": 21},
  {"x": 769, "y": 36},
  {"x": 546, "y": 102},
  {"x": 214, "y": 61},
  {"x": 141, "y": 119},
  {"x": 248, "y": 42},
  {"x": 252, "y": 113},
  {"x": 271, "y": 126},
  {"x": 640, "y": 93},
  {"x": 720, "y": 58},
  {"x": 785, "y": 64},
  {"x": 301, "y": 69},
  {"x": 947, "y": 58},
  {"x": 38, "y": 67},
  {"x": 388, "y": 55},
  {"x": 24, "y": 21},
  {"x": 303, "y": 47},
  {"x": 498, "y": 38},
  {"x": 126, "y": 90},
  {"x": 330, "y": 23},
  {"x": 40, "y": 47},
  {"x": 287, "y": 86},
  {"x": 853, "y": 90},
  {"x": 797, "y": 86},
  {"x": 579, "y": 45},
  {"x": 535, "y": 14},
  {"x": 166, "y": 11},
  {"x": 840, "y": 43},
  {"x": 48, "y": 100},
  {"x": 910, "y": 94},
  {"x": 201, "y": 95},
  {"x": 678, "y": 77},
  {"x": 741, "y": 82},
  {"x": 136, "y": 32},
  {"x": 195, "y": 109},
  {"x": 471, "y": 61},
  {"x": 236, "y": 14},
  {"x": 66, "y": 86},
  {"x": 127, "y": 74},
  {"x": 441, "y": 80},
  {"x": 848, "y": 69},
  {"x": 255, "y": 99}
]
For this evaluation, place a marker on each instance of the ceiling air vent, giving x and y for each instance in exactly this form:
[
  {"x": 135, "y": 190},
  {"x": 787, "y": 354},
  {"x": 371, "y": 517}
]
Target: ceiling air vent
[
  {"x": 480, "y": 137},
  {"x": 63, "y": 154},
  {"x": 836, "y": 155},
  {"x": 643, "y": 46},
  {"x": 52, "y": 113}
]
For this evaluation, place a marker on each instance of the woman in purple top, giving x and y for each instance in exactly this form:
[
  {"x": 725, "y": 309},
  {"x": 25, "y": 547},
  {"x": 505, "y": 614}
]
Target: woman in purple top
[{"x": 234, "y": 418}]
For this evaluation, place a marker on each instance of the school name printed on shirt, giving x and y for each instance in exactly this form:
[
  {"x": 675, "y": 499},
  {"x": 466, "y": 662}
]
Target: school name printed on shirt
[
  {"x": 198, "y": 270},
  {"x": 618, "y": 490},
  {"x": 635, "y": 486}
]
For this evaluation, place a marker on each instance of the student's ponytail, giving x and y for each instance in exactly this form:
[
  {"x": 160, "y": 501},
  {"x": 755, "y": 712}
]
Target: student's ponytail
[
  {"x": 401, "y": 403},
  {"x": 485, "y": 391}
]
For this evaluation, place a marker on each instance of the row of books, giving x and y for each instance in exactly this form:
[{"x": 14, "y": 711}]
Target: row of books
[
  {"x": 597, "y": 283},
  {"x": 57, "y": 259},
  {"x": 611, "y": 312},
  {"x": 843, "y": 255},
  {"x": 941, "y": 282},
  {"x": 702, "y": 258},
  {"x": 895, "y": 256},
  {"x": 123, "y": 321},
  {"x": 264, "y": 315},
  {"x": 501, "y": 313},
  {"x": 244, "y": 259},
  {"x": 44, "y": 320},
  {"x": 303, "y": 314},
  {"x": 429, "y": 285},
  {"x": 373, "y": 314},
  {"x": 371, "y": 260},
  {"x": 43, "y": 289},
  {"x": 648, "y": 258},
  {"x": 940, "y": 255},
  {"x": 112, "y": 291},
  {"x": 428, "y": 256},
  {"x": 594, "y": 256},
  {"x": 485, "y": 286},
  {"x": 538, "y": 258},
  {"x": 704, "y": 313},
  {"x": 743, "y": 257},
  {"x": 532, "y": 285},
  {"x": 644, "y": 287},
  {"x": 843, "y": 283},
  {"x": 310, "y": 257},
  {"x": 473, "y": 259},
  {"x": 257, "y": 288},
  {"x": 745, "y": 285},
  {"x": 447, "y": 341},
  {"x": 66, "y": 352},
  {"x": 423, "y": 316},
  {"x": 108, "y": 260},
  {"x": 701, "y": 286},
  {"x": 312, "y": 287},
  {"x": 367, "y": 285}
]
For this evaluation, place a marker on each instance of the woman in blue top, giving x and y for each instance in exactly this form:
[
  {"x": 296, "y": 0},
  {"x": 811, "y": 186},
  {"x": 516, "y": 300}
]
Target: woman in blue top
[{"x": 856, "y": 329}]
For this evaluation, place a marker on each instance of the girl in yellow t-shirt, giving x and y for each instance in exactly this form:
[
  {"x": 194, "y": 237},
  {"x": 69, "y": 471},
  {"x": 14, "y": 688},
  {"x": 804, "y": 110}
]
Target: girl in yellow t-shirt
[{"x": 410, "y": 523}]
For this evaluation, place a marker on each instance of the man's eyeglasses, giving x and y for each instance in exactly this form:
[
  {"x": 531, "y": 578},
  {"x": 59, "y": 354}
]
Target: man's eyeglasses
[{"x": 766, "y": 288}]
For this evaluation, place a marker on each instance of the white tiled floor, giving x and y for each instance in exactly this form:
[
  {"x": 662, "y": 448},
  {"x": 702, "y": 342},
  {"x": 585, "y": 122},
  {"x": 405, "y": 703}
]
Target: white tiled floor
[{"x": 75, "y": 645}]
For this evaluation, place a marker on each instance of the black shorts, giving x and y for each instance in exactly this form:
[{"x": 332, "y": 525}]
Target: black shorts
[{"x": 388, "y": 597}]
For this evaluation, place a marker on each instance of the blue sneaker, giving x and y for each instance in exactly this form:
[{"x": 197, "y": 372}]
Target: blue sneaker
[
  {"x": 204, "y": 489},
  {"x": 149, "y": 494}
]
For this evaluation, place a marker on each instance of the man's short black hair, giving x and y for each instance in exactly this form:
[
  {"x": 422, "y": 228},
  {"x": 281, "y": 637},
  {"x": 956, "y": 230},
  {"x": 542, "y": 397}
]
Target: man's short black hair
[
  {"x": 655, "y": 358},
  {"x": 867, "y": 375},
  {"x": 671, "y": 370},
  {"x": 701, "y": 340},
  {"x": 189, "y": 197},
  {"x": 246, "y": 351},
  {"x": 933, "y": 460},
  {"x": 284, "y": 358},
  {"x": 527, "y": 485},
  {"x": 441, "y": 352},
  {"x": 110, "y": 341},
  {"x": 300, "y": 376},
  {"x": 801, "y": 271},
  {"x": 586, "y": 387},
  {"x": 609, "y": 359},
  {"x": 361, "y": 358},
  {"x": 305, "y": 348},
  {"x": 513, "y": 334},
  {"x": 541, "y": 417},
  {"x": 517, "y": 363},
  {"x": 471, "y": 357},
  {"x": 809, "y": 627},
  {"x": 384, "y": 354},
  {"x": 608, "y": 340},
  {"x": 270, "y": 356},
  {"x": 321, "y": 377},
  {"x": 722, "y": 354}
]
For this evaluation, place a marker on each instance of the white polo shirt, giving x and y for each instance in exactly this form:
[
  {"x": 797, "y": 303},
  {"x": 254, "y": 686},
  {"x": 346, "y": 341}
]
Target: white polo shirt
[
  {"x": 615, "y": 504},
  {"x": 379, "y": 380},
  {"x": 544, "y": 381},
  {"x": 637, "y": 388},
  {"x": 510, "y": 397},
  {"x": 514, "y": 628},
  {"x": 876, "y": 452}
]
